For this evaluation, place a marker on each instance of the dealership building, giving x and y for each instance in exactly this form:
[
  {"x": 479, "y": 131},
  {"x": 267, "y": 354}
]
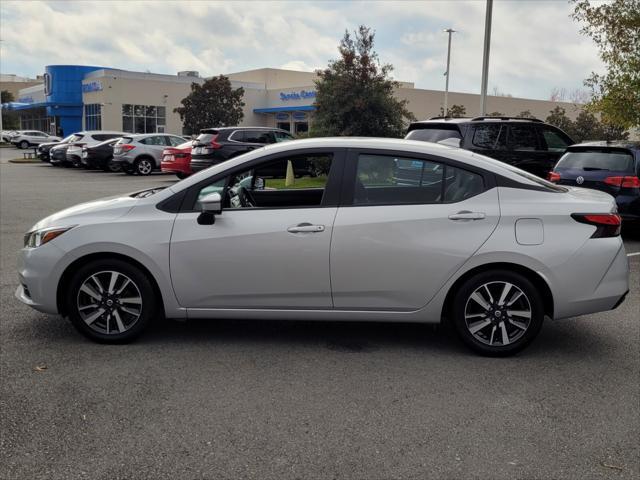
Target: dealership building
[{"x": 73, "y": 98}]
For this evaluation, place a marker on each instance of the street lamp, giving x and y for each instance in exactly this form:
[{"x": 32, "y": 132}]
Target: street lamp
[
  {"x": 446, "y": 88},
  {"x": 485, "y": 58}
]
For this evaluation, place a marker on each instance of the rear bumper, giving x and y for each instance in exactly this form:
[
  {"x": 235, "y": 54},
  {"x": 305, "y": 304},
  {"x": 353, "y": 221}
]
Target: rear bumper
[
  {"x": 608, "y": 293},
  {"x": 177, "y": 166}
]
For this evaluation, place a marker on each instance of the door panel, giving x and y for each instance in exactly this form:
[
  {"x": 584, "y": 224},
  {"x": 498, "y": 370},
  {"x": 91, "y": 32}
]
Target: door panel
[
  {"x": 249, "y": 259},
  {"x": 398, "y": 256}
]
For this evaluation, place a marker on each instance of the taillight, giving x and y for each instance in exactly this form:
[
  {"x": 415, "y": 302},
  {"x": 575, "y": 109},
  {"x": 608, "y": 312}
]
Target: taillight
[
  {"x": 214, "y": 144},
  {"x": 607, "y": 224},
  {"x": 126, "y": 147},
  {"x": 553, "y": 177},
  {"x": 624, "y": 182}
]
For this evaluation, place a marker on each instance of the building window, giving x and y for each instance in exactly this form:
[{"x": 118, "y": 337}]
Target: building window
[
  {"x": 143, "y": 118},
  {"x": 93, "y": 116}
]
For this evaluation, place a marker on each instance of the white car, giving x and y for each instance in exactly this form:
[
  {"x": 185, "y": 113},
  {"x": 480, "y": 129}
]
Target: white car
[
  {"x": 392, "y": 230},
  {"x": 29, "y": 138},
  {"x": 7, "y": 134}
]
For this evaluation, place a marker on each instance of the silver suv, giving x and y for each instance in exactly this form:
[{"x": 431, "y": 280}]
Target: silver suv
[{"x": 142, "y": 153}]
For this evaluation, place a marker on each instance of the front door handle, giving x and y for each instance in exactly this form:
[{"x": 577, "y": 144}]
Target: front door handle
[
  {"x": 306, "y": 228},
  {"x": 467, "y": 215}
]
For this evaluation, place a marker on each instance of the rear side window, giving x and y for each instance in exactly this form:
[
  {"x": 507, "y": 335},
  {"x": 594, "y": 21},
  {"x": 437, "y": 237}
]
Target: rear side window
[
  {"x": 258, "y": 136},
  {"x": 155, "y": 140},
  {"x": 490, "y": 136},
  {"x": 433, "y": 135},
  {"x": 461, "y": 184},
  {"x": 612, "y": 160},
  {"x": 125, "y": 140},
  {"x": 523, "y": 138},
  {"x": 388, "y": 180}
]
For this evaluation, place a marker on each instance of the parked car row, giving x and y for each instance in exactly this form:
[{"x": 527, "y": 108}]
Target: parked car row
[{"x": 27, "y": 138}]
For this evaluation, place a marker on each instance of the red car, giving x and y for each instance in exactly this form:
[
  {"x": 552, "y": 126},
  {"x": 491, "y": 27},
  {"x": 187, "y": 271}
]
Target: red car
[{"x": 177, "y": 160}]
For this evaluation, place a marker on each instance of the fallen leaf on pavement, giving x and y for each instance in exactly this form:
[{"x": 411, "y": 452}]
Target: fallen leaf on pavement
[{"x": 39, "y": 368}]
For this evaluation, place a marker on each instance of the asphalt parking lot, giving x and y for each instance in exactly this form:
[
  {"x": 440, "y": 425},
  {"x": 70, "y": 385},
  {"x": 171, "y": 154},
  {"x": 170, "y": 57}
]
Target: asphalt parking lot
[{"x": 236, "y": 399}]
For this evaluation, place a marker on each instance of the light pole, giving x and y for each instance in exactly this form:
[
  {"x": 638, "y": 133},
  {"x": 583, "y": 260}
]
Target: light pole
[
  {"x": 485, "y": 58},
  {"x": 446, "y": 87}
]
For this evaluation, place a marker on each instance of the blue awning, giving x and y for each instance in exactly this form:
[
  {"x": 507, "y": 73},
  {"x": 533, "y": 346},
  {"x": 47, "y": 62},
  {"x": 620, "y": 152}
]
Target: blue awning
[{"x": 298, "y": 108}]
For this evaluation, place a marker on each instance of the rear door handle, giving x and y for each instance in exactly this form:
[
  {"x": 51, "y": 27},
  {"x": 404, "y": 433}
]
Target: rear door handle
[
  {"x": 467, "y": 215},
  {"x": 306, "y": 228}
]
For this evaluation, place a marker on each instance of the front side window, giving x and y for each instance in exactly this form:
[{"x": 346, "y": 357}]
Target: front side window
[
  {"x": 553, "y": 140},
  {"x": 388, "y": 180},
  {"x": 258, "y": 136},
  {"x": 289, "y": 182}
]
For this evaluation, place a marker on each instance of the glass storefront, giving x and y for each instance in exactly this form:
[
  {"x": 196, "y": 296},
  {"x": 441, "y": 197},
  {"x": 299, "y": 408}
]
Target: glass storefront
[
  {"x": 93, "y": 116},
  {"x": 37, "y": 119},
  {"x": 143, "y": 118}
]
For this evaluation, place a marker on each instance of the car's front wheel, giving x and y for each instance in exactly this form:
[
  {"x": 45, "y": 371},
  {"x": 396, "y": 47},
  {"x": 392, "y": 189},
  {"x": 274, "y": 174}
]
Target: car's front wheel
[
  {"x": 24, "y": 144},
  {"x": 498, "y": 312},
  {"x": 111, "y": 166},
  {"x": 143, "y": 166},
  {"x": 110, "y": 301}
]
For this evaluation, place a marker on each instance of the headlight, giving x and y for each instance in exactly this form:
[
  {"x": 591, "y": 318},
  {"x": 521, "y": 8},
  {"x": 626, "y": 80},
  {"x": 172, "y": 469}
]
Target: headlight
[{"x": 40, "y": 237}]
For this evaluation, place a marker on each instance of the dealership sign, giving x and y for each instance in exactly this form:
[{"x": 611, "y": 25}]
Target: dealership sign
[
  {"x": 301, "y": 95},
  {"x": 95, "y": 86},
  {"x": 25, "y": 100},
  {"x": 282, "y": 116}
]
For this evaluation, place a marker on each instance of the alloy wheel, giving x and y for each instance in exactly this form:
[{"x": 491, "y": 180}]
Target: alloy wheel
[
  {"x": 109, "y": 302},
  {"x": 498, "y": 313},
  {"x": 144, "y": 167}
]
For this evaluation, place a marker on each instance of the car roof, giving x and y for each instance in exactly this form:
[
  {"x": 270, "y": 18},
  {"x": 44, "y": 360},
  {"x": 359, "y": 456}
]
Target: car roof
[
  {"x": 393, "y": 145},
  {"x": 273, "y": 129}
]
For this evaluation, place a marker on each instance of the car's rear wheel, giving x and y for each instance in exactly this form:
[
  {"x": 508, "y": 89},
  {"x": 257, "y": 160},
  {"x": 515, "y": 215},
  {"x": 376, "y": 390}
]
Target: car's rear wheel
[
  {"x": 110, "y": 301},
  {"x": 128, "y": 169},
  {"x": 498, "y": 312},
  {"x": 181, "y": 175},
  {"x": 143, "y": 166},
  {"x": 24, "y": 144}
]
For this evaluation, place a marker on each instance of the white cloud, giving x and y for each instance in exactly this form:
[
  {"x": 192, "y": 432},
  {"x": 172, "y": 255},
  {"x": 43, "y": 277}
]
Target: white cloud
[{"x": 535, "y": 45}]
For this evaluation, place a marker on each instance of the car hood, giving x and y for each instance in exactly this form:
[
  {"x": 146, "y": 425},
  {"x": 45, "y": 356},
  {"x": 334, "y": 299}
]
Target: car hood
[{"x": 103, "y": 209}]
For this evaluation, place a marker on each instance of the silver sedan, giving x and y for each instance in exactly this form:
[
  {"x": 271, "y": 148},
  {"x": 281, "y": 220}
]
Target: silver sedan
[{"x": 335, "y": 229}]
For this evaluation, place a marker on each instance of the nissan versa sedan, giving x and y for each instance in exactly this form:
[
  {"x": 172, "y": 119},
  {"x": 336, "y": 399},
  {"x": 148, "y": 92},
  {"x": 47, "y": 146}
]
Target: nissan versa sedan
[{"x": 390, "y": 230}]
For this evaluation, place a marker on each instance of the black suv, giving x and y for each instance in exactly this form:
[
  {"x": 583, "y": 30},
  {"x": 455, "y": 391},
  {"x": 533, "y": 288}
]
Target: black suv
[
  {"x": 526, "y": 143},
  {"x": 215, "y": 145}
]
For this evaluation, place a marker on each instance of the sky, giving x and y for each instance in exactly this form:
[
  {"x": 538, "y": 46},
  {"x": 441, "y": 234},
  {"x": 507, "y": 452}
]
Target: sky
[{"x": 535, "y": 45}]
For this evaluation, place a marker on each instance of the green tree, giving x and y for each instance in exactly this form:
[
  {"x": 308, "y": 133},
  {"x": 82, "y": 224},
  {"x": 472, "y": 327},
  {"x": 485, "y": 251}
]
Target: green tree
[
  {"x": 355, "y": 94},
  {"x": 10, "y": 120},
  {"x": 587, "y": 127},
  {"x": 215, "y": 103},
  {"x": 496, "y": 114},
  {"x": 6, "y": 96},
  {"x": 558, "y": 117},
  {"x": 525, "y": 114},
  {"x": 456, "y": 111},
  {"x": 614, "y": 27}
]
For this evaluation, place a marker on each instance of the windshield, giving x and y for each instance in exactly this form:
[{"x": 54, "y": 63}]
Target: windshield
[{"x": 613, "y": 160}]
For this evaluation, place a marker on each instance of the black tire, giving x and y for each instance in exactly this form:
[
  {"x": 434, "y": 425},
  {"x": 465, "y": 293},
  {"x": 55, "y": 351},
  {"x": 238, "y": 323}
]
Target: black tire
[
  {"x": 489, "y": 340},
  {"x": 24, "y": 144},
  {"x": 144, "y": 166},
  {"x": 139, "y": 283},
  {"x": 181, "y": 175},
  {"x": 128, "y": 170},
  {"x": 112, "y": 167}
]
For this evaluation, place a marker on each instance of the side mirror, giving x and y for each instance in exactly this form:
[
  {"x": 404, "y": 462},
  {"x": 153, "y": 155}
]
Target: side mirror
[{"x": 211, "y": 206}]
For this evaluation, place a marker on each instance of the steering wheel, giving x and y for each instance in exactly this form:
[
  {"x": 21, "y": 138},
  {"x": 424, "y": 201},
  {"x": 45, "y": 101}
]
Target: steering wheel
[{"x": 246, "y": 200}]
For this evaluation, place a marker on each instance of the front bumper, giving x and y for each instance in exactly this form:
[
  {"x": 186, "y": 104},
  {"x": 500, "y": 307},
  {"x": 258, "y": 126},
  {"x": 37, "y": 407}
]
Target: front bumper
[{"x": 39, "y": 274}]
